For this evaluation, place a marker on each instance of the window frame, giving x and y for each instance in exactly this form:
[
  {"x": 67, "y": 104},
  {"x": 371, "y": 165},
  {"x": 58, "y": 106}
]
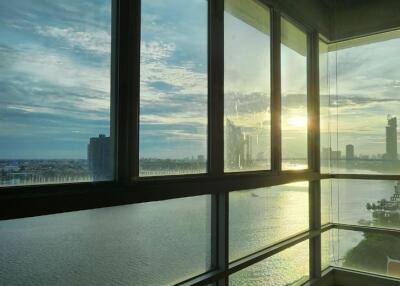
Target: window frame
[{"x": 127, "y": 187}]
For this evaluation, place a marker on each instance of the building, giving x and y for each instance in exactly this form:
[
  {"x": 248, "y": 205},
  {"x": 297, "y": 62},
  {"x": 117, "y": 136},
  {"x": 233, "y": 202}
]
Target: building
[
  {"x": 329, "y": 154},
  {"x": 349, "y": 152},
  {"x": 336, "y": 155},
  {"x": 391, "y": 139},
  {"x": 99, "y": 157}
]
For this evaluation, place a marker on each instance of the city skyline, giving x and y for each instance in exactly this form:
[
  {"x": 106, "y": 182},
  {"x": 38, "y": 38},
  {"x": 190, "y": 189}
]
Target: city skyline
[{"x": 390, "y": 153}]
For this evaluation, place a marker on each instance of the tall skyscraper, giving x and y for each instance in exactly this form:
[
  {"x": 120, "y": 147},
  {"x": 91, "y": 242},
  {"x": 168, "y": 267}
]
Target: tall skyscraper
[
  {"x": 349, "y": 152},
  {"x": 100, "y": 157},
  {"x": 391, "y": 139}
]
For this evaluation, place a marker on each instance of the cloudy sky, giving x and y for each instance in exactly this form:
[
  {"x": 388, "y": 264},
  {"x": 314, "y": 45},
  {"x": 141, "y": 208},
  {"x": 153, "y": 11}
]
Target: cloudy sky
[
  {"x": 365, "y": 89},
  {"x": 54, "y": 77},
  {"x": 55, "y": 81},
  {"x": 173, "y": 111}
]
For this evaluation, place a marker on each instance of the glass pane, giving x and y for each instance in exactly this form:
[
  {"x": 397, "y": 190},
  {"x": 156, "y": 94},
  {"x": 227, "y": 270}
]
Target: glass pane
[
  {"x": 326, "y": 116},
  {"x": 330, "y": 153},
  {"x": 370, "y": 252},
  {"x": 158, "y": 243},
  {"x": 326, "y": 201},
  {"x": 247, "y": 86},
  {"x": 329, "y": 248},
  {"x": 263, "y": 216},
  {"x": 289, "y": 267},
  {"x": 366, "y": 74},
  {"x": 173, "y": 87},
  {"x": 366, "y": 202},
  {"x": 294, "y": 96},
  {"x": 54, "y": 91}
]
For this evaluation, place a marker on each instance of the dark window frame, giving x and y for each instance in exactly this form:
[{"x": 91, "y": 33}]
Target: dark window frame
[{"x": 128, "y": 187}]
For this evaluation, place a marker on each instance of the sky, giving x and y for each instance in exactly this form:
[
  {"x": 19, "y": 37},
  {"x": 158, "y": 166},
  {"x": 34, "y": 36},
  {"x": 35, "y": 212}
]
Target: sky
[
  {"x": 54, "y": 77},
  {"x": 173, "y": 79},
  {"x": 364, "y": 84},
  {"x": 55, "y": 82}
]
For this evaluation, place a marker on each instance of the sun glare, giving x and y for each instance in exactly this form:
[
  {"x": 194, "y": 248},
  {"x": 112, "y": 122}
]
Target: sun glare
[{"x": 297, "y": 121}]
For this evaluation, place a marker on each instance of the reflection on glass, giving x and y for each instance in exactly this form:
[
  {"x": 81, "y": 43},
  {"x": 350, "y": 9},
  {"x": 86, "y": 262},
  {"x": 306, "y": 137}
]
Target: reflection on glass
[
  {"x": 364, "y": 90},
  {"x": 289, "y": 267},
  {"x": 365, "y": 202},
  {"x": 373, "y": 203},
  {"x": 329, "y": 249},
  {"x": 326, "y": 201},
  {"x": 55, "y": 91},
  {"x": 120, "y": 245},
  {"x": 294, "y": 96},
  {"x": 369, "y": 251},
  {"x": 247, "y": 86},
  {"x": 173, "y": 88},
  {"x": 260, "y": 217}
]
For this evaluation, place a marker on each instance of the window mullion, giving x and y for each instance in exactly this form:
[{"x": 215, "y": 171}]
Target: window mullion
[
  {"x": 276, "y": 142},
  {"x": 220, "y": 201},
  {"x": 313, "y": 152},
  {"x": 127, "y": 39}
]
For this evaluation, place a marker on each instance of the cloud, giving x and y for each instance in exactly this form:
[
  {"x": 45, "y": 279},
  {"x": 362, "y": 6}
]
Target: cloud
[
  {"x": 170, "y": 93},
  {"x": 97, "y": 41},
  {"x": 360, "y": 100}
]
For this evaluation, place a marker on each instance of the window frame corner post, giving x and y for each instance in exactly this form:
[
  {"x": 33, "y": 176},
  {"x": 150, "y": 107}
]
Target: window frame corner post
[
  {"x": 276, "y": 96},
  {"x": 313, "y": 101},
  {"x": 220, "y": 199},
  {"x": 128, "y": 40},
  {"x": 315, "y": 225},
  {"x": 314, "y": 152}
]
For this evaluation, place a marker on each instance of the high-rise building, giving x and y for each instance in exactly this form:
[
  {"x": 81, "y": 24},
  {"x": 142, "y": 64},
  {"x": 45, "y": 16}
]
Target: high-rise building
[
  {"x": 349, "y": 152},
  {"x": 100, "y": 157},
  {"x": 391, "y": 139}
]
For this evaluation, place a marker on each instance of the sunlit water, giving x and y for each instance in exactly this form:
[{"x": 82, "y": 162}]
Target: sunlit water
[{"x": 162, "y": 243}]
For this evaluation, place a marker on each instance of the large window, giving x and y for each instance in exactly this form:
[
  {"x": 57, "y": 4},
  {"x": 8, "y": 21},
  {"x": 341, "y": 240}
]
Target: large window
[
  {"x": 261, "y": 217},
  {"x": 173, "y": 88},
  {"x": 359, "y": 105},
  {"x": 294, "y": 96},
  {"x": 363, "y": 251},
  {"x": 218, "y": 91},
  {"x": 364, "y": 105},
  {"x": 142, "y": 244},
  {"x": 247, "y": 118},
  {"x": 362, "y": 202},
  {"x": 55, "y": 92},
  {"x": 289, "y": 267}
]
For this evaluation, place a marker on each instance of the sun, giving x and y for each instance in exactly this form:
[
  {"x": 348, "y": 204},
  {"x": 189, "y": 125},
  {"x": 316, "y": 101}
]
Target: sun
[{"x": 297, "y": 121}]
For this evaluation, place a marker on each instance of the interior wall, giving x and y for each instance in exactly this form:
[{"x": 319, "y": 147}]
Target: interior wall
[
  {"x": 353, "y": 18},
  {"x": 313, "y": 13}
]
